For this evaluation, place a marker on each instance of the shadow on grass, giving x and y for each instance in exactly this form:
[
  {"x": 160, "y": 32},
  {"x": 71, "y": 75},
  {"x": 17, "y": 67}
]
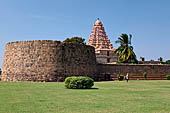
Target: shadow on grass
[
  {"x": 94, "y": 88},
  {"x": 104, "y": 80}
]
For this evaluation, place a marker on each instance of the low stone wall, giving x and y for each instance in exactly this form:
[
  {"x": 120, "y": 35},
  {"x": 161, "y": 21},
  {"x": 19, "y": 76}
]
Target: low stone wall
[
  {"x": 154, "y": 71},
  {"x": 47, "y": 60}
]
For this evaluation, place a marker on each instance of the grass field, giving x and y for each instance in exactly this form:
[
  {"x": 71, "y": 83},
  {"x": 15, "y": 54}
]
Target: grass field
[{"x": 105, "y": 97}]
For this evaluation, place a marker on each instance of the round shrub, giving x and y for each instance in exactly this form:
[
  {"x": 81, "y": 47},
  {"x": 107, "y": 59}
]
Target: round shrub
[
  {"x": 121, "y": 77},
  {"x": 168, "y": 77},
  {"x": 78, "y": 82},
  {"x": 145, "y": 75}
]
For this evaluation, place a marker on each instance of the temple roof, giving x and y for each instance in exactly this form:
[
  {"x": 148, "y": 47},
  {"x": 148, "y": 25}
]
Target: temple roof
[
  {"x": 98, "y": 22},
  {"x": 98, "y": 37}
]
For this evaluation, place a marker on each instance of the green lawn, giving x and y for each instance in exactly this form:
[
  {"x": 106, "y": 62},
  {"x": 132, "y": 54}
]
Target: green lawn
[{"x": 110, "y": 97}]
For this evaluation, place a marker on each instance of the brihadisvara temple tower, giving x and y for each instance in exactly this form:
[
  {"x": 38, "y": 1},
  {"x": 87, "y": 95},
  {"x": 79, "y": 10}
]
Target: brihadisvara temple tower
[
  {"x": 104, "y": 50},
  {"x": 50, "y": 61}
]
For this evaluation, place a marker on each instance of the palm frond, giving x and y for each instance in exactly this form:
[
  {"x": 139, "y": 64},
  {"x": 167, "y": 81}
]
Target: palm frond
[{"x": 125, "y": 51}]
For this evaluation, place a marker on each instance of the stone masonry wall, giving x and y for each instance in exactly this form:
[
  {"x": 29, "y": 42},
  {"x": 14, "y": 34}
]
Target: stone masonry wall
[
  {"x": 47, "y": 60},
  {"x": 154, "y": 71}
]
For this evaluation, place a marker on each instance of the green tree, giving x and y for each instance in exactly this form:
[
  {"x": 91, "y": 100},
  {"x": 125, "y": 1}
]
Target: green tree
[
  {"x": 75, "y": 40},
  {"x": 160, "y": 59},
  {"x": 167, "y": 62},
  {"x": 125, "y": 50}
]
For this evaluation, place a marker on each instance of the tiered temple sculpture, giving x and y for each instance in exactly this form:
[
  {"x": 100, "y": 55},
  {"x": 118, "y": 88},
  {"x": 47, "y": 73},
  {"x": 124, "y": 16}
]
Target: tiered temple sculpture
[{"x": 103, "y": 47}]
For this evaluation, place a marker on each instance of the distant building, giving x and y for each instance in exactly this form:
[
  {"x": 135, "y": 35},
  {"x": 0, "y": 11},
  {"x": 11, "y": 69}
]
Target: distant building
[
  {"x": 142, "y": 61},
  {"x": 103, "y": 48}
]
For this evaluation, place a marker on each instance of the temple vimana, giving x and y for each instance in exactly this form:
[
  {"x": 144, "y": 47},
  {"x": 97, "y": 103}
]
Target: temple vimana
[
  {"x": 103, "y": 48},
  {"x": 49, "y": 60}
]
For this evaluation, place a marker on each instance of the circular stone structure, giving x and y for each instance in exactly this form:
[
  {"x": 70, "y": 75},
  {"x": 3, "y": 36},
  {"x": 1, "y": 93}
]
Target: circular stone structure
[{"x": 47, "y": 60}]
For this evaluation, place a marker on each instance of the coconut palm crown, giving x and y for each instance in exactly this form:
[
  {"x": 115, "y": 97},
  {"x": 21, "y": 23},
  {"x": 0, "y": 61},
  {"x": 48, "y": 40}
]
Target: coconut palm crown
[{"x": 125, "y": 50}]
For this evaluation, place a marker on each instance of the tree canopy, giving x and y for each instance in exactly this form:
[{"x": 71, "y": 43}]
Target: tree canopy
[
  {"x": 125, "y": 50},
  {"x": 75, "y": 40},
  {"x": 160, "y": 59},
  {"x": 166, "y": 62}
]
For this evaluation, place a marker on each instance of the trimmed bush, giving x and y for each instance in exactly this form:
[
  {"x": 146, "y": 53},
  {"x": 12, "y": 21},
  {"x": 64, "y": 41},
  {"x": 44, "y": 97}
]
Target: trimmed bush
[
  {"x": 168, "y": 77},
  {"x": 121, "y": 77},
  {"x": 78, "y": 82},
  {"x": 145, "y": 75}
]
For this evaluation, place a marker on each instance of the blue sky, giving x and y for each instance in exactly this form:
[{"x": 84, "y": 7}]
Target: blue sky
[{"x": 147, "y": 20}]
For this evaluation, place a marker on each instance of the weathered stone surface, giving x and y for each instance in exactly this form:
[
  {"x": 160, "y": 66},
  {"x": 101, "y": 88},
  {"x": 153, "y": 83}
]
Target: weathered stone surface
[
  {"x": 154, "y": 71},
  {"x": 47, "y": 60}
]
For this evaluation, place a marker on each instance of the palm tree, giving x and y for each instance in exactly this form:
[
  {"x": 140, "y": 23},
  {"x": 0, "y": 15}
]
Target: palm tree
[{"x": 125, "y": 50}]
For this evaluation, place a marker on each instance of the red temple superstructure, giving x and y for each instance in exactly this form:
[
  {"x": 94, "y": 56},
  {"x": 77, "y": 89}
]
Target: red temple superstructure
[{"x": 100, "y": 41}]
